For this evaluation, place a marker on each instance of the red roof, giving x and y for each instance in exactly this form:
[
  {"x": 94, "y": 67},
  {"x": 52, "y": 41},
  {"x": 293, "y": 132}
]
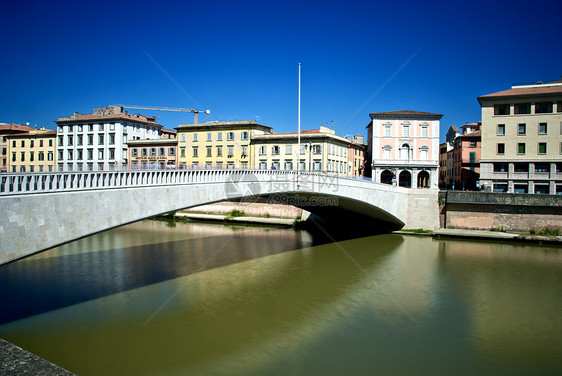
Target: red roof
[
  {"x": 524, "y": 91},
  {"x": 15, "y": 127},
  {"x": 403, "y": 113}
]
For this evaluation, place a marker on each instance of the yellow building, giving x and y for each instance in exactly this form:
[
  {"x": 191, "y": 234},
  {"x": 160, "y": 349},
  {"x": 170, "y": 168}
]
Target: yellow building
[
  {"x": 218, "y": 145},
  {"x": 320, "y": 151},
  {"x": 7, "y": 130},
  {"x": 33, "y": 151}
]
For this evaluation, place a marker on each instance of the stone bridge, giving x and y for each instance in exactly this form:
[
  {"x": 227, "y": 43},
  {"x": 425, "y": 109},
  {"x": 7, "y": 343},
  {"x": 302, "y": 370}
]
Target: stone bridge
[{"x": 43, "y": 210}]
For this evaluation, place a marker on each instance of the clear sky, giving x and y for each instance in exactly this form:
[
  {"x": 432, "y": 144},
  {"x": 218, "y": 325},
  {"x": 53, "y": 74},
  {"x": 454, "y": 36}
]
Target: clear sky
[{"x": 240, "y": 58}]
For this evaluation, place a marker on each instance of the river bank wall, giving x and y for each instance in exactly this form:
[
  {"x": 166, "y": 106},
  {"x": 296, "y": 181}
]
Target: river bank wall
[{"x": 500, "y": 211}]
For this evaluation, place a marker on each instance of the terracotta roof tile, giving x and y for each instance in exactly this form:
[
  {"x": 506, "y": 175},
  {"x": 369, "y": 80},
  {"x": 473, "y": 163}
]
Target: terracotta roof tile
[
  {"x": 524, "y": 91},
  {"x": 15, "y": 127},
  {"x": 93, "y": 117},
  {"x": 403, "y": 113}
]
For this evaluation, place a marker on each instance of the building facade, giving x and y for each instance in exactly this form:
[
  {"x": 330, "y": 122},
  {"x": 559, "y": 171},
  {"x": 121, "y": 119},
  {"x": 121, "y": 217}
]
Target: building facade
[
  {"x": 7, "y": 130},
  {"x": 98, "y": 141},
  {"x": 218, "y": 145},
  {"x": 404, "y": 148},
  {"x": 466, "y": 160},
  {"x": 522, "y": 139},
  {"x": 320, "y": 151},
  {"x": 153, "y": 154},
  {"x": 33, "y": 151}
]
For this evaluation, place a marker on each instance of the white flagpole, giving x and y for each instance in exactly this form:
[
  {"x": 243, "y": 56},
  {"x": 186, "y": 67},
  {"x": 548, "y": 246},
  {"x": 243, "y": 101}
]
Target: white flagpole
[{"x": 299, "y": 133}]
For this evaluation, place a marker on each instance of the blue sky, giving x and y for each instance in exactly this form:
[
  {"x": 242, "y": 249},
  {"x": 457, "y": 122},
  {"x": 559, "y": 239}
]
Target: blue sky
[{"x": 240, "y": 58}]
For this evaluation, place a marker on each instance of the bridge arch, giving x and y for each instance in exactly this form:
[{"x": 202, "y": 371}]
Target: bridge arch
[{"x": 45, "y": 210}]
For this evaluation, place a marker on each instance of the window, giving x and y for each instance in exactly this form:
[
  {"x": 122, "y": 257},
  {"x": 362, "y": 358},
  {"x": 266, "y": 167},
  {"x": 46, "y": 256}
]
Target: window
[
  {"x": 302, "y": 149},
  {"x": 152, "y": 152},
  {"x": 90, "y": 154},
  {"x": 386, "y": 150},
  {"x": 195, "y": 152},
  {"x": 302, "y": 165},
  {"x": 80, "y": 154},
  {"x": 521, "y": 129},
  {"x": 90, "y": 127},
  {"x": 219, "y": 151},
  {"x": 263, "y": 150},
  {"x": 288, "y": 166},
  {"x": 387, "y": 130},
  {"x": 263, "y": 165},
  {"x": 219, "y": 136},
  {"x": 135, "y": 152},
  {"x": 70, "y": 155},
  {"x": 100, "y": 154},
  {"x": 112, "y": 126},
  {"x": 542, "y": 128},
  {"x": 80, "y": 128},
  {"x": 500, "y": 167},
  {"x": 423, "y": 153},
  {"x": 521, "y": 148},
  {"x": 50, "y": 142},
  {"x": 41, "y": 156},
  {"x": 111, "y": 153},
  {"x": 32, "y": 143},
  {"x": 288, "y": 149},
  {"x": 60, "y": 141},
  {"x": 100, "y": 139},
  {"x": 244, "y": 136},
  {"x": 275, "y": 150},
  {"x": 230, "y": 151},
  {"x": 182, "y": 152},
  {"x": 50, "y": 156},
  {"x": 317, "y": 166},
  {"x": 501, "y": 109},
  {"x": 543, "y": 107},
  {"x": 405, "y": 130},
  {"x": 523, "y": 108},
  {"x": 501, "y": 148},
  {"x": 90, "y": 139},
  {"x": 542, "y": 189},
  {"x": 520, "y": 167},
  {"x": 182, "y": 137},
  {"x": 424, "y": 131},
  {"x": 60, "y": 155},
  {"x": 209, "y": 137},
  {"x": 79, "y": 140},
  {"x": 501, "y": 130},
  {"x": 230, "y": 136},
  {"x": 209, "y": 152},
  {"x": 244, "y": 151},
  {"x": 195, "y": 137},
  {"x": 317, "y": 149},
  {"x": 275, "y": 165},
  {"x": 112, "y": 139},
  {"x": 472, "y": 144},
  {"x": 101, "y": 127},
  {"x": 161, "y": 151},
  {"x": 172, "y": 151},
  {"x": 542, "y": 167},
  {"x": 542, "y": 148}
]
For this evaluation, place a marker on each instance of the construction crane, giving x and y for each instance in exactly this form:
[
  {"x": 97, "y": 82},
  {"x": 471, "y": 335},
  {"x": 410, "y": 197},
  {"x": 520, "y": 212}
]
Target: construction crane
[{"x": 195, "y": 112}]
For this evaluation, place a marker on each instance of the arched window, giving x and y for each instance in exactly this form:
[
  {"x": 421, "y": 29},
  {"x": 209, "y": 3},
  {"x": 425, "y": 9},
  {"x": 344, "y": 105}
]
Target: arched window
[
  {"x": 423, "y": 179},
  {"x": 405, "y": 179},
  {"x": 386, "y": 177},
  {"x": 405, "y": 152}
]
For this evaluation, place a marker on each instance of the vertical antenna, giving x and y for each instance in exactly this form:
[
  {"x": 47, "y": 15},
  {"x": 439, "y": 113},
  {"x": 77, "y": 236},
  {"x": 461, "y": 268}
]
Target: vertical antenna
[{"x": 299, "y": 133}]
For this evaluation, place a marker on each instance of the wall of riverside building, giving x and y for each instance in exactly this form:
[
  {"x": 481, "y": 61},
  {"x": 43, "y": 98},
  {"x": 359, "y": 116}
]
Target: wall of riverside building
[{"x": 507, "y": 211}]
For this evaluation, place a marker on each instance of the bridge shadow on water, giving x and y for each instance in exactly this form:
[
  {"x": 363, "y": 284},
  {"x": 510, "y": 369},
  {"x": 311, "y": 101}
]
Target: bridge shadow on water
[{"x": 37, "y": 285}]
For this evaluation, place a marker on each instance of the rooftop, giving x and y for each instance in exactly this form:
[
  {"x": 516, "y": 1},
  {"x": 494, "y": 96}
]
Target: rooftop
[
  {"x": 209, "y": 124},
  {"x": 526, "y": 91},
  {"x": 404, "y": 114},
  {"x": 15, "y": 127},
  {"x": 108, "y": 113}
]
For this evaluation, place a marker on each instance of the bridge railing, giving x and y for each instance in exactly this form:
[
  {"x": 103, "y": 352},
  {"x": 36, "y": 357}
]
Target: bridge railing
[{"x": 26, "y": 183}]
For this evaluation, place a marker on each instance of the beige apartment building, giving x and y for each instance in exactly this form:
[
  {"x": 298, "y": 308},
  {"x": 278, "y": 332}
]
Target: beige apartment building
[
  {"x": 7, "y": 130},
  {"x": 153, "y": 154},
  {"x": 320, "y": 151},
  {"x": 33, "y": 151},
  {"x": 522, "y": 139},
  {"x": 218, "y": 145}
]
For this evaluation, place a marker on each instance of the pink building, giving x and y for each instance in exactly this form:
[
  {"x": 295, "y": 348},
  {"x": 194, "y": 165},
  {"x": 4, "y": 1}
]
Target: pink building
[
  {"x": 403, "y": 148},
  {"x": 467, "y": 148}
]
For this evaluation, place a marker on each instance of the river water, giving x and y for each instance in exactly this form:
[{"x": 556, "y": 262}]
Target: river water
[{"x": 205, "y": 299}]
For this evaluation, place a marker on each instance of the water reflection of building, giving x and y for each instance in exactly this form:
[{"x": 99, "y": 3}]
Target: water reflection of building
[{"x": 514, "y": 297}]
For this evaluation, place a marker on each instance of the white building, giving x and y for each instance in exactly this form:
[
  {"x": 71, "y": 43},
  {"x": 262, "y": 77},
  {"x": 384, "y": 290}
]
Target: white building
[
  {"x": 98, "y": 141},
  {"x": 404, "y": 148}
]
